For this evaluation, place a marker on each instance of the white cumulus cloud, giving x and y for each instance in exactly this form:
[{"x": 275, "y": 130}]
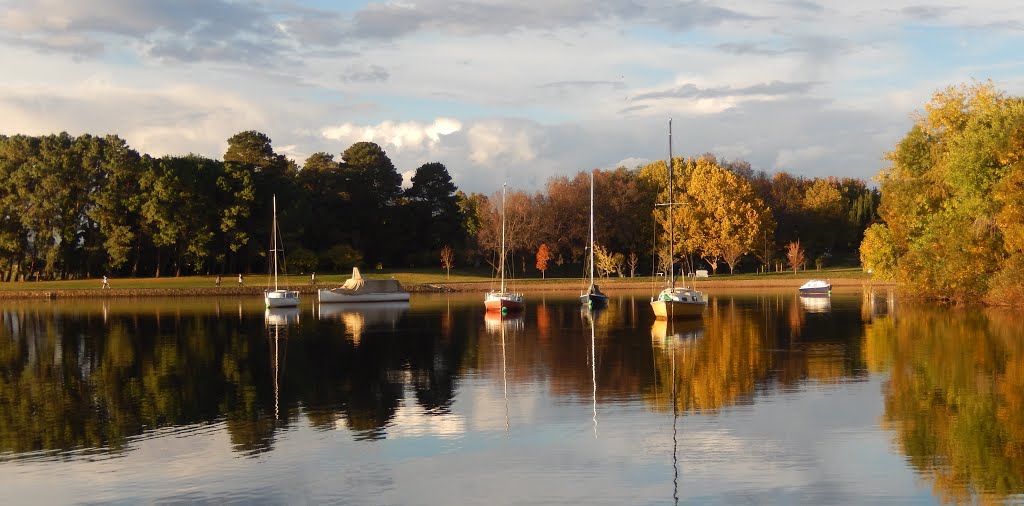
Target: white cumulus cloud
[
  {"x": 401, "y": 135},
  {"x": 494, "y": 142}
]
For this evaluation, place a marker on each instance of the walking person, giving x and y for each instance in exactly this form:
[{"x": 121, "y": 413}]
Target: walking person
[
  {"x": 218, "y": 280},
  {"x": 106, "y": 284},
  {"x": 241, "y": 282},
  {"x": 312, "y": 279}
]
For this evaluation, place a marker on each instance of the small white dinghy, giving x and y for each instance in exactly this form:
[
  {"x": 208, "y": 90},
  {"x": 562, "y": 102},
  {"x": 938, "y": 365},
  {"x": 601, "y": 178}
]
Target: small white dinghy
[{"x": 817, "y": 286}]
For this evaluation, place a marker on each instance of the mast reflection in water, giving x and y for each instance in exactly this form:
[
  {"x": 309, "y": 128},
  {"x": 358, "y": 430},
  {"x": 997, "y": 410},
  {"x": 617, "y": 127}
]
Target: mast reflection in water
[{"x": 862, "y": 399}]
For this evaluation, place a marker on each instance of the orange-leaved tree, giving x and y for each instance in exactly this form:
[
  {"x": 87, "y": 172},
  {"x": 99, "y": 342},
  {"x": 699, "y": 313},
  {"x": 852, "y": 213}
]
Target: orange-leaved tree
[{"x": 543, "y": 255}]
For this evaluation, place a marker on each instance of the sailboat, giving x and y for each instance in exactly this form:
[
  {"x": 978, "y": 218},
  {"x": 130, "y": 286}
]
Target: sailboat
[
  {"x": 278, "y": 297},
  {"x": 673, "y": 301},
  {"x": 500, "y": 300},
  {"x": 593, "y": 296}
]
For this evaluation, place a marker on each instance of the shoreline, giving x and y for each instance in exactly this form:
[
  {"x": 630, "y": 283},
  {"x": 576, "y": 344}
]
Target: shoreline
[{"x": 526, "y": 286}]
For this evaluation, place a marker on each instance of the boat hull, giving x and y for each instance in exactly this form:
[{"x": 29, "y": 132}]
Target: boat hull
[
  {"x": 668, "y": 309},
  {"x": 503, "y": 302},
  {"x": 330, "y": 296},
  {"x": 594, "y": 299},
  {"x": 817, "y": 290},
  {"x": 815, "y": 286},
  {"x": 281, "y": 298}
]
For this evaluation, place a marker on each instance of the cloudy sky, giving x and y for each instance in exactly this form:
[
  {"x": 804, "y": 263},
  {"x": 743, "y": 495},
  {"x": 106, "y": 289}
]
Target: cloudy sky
[{"x": 504, "y": 89}]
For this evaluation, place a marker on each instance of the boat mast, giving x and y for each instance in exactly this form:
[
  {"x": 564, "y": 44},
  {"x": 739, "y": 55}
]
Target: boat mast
[
  {"x": 671, "y": 229},
  {"x": 273, "y": 240},
  {"x": 591, "y": 229},
  {"x": 501, "y": 257}
]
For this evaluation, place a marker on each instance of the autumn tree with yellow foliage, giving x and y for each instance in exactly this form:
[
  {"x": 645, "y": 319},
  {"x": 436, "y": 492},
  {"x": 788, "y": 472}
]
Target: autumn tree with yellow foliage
[
  {"x": 716, "y": 213},
  {"x": 953, "y": 200}
]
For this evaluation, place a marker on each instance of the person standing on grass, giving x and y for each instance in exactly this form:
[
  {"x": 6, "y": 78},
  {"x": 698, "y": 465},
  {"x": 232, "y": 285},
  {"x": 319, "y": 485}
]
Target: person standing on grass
[
  {"x": 241, "y": 282},
  {"x": 312, "y": 279},
  {"x": 106, "y": 284},
  {"x": 218, "y": 280}
]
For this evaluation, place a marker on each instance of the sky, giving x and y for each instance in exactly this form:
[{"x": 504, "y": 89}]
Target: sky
[{"x": 504, "y": 90}]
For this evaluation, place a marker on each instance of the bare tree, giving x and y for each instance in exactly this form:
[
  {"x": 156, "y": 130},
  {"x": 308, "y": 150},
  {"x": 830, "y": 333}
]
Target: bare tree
[
  {"x": 766, "y": 251},
  {"x": 447, "y": 260},
  {"x": 632, "y": 261},
  {"x": 517, "y": 227},
  {"x": 732, "y": 251}
]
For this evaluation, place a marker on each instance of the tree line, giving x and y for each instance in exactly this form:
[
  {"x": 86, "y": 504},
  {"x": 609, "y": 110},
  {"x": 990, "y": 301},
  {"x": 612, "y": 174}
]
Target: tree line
[
  {"x": 724, "y": 215},
  {"x": 85, "y": 206}
]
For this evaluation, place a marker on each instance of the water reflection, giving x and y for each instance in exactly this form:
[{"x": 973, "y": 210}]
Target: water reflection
[
  {"x": 955, "y": 396},
  {"x": 726, "y": 359},
  {"x": 496, "y": 322},
  {"x": 279, "y": 321},
  {"x": 877, "y": 302},
  {"x": 590, "y": 316},
  {"x": 365, "y": 317},
  {"x": 279, "y": 318},
  {"x": 678, "y": 342},
  {"x": 151, "y": 364},
  {"x": 95, "y": 379},
  {"x": 501, "y": 323},
  {"x": 665, "y": 333},
  {"x": 816, "y": 303}
]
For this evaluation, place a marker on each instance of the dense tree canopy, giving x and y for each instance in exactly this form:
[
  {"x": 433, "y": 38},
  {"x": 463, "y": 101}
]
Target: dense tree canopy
[
  {"x": 715, "y": 214},
  {"x": 88, "y": 206},
  {"x": 433, "y": 209},
  {"x": 951, "y": 200}
]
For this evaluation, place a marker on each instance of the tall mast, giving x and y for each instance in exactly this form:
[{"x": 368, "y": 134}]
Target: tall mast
[
  {"x": 671, "y": 229},
  {"x": 591, "y": 228},
  {"x": 501, "y": 257},
  {"x": 273, "y": 240}
]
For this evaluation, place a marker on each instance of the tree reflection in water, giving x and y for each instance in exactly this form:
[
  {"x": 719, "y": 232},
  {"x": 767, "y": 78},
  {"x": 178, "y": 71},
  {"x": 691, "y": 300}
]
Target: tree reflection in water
[
  {"x": 91, "y": 377},
  {"x": 955, "y": 396},
  {"x": 81, "y": 376}
]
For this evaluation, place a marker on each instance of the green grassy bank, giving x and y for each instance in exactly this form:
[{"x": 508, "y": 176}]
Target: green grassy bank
[{"x": 413, "y": 280}]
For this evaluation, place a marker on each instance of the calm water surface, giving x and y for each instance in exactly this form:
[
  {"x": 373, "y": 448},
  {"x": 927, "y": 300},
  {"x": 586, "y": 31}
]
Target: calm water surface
[{"x": 855, "y": 398}]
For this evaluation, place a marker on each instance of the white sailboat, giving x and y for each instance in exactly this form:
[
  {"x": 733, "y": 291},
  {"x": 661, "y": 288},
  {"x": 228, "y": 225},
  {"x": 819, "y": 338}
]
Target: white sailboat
[
  {"x": 593, "y": 297},
  {"x": 500, "y": 300},
  {"x": 673, "y": 301},
  {"x": 278, "y": 297}
]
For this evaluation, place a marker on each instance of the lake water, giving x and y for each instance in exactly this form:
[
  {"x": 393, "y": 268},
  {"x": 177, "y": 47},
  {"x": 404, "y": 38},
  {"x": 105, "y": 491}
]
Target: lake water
[{"x": 857, "y": 398}]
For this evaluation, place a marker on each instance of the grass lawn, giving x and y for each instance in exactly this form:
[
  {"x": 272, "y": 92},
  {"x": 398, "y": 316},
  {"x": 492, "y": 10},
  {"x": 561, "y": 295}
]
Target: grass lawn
[{"x": 411, "y": 277}]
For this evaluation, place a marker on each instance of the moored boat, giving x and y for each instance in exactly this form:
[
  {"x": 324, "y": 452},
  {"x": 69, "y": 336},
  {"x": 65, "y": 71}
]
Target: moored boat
[
  {"x": 673, "y": 301},
  {"x": 501, "y": 300},
  {"x": 678, "y": 302},
  {"x": 359, "y": 289},
  {"x": 281, "y": 298},
  {"x": 277, "y": 297},
  {"x": 593, "y": 297},
  {"x": 816, "y": 286}
]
